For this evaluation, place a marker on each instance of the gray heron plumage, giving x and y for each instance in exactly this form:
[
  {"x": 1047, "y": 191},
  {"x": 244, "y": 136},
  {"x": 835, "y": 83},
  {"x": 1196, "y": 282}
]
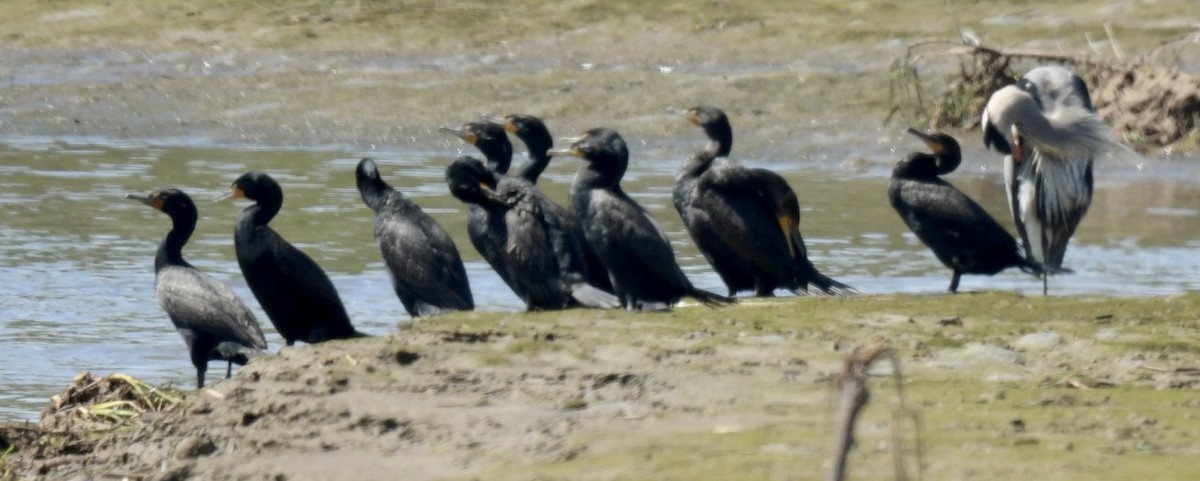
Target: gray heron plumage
[{"x": 1047, "y": 128}]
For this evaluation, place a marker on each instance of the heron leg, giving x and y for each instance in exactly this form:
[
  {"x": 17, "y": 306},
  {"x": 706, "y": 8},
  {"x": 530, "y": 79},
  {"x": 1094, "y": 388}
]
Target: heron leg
[
  {"x": 200, "y": 375},
  {"x": 1045, "y": 284},
  {"x": 229, "y": 370},
  {"x": 954, "y": 281}
]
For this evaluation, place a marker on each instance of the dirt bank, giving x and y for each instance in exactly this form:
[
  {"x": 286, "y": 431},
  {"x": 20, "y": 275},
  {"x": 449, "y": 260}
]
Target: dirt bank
[{"x": 1067, "y": 389}]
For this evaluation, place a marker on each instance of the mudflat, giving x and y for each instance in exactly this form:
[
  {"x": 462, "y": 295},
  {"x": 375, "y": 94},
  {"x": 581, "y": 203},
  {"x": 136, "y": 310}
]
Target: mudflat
[{"x": 1003, "y": 386}]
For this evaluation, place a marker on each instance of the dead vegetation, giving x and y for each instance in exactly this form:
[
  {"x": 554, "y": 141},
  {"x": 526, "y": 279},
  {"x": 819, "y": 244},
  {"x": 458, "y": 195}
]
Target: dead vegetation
[
  {"x": 852, "y": 383},
  {"x": 73, "y": 424},
  {"x": 1148, "y": 100}
]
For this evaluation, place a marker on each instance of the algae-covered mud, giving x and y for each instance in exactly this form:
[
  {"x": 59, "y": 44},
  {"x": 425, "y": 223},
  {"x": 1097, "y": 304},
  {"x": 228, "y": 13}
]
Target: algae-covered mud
[
  {"x": 1002, "y": 387},
  {"x": 98, "y": 100}
]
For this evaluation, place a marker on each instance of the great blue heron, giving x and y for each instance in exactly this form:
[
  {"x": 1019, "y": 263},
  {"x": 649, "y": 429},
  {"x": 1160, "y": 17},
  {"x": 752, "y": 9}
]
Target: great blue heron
[
  {"x": 962, "y": 235},
  {"x": 1050, "y": 134}
]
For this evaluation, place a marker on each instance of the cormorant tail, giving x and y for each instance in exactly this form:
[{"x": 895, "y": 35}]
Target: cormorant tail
[
  {"x": 1036, "y": 268},
  {"x": 237, "y": 353},
  {"x": 711, "y": 299},
  {"x": 829, "y": 286},
  {"x": 591, "y": 296},
  {"x": 425, "y": 309}
]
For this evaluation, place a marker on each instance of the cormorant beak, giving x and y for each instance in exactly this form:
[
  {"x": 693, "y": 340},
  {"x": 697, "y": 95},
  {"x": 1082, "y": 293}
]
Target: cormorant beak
[
  {"x": 152, "y": 199},
  {"x": 569, "y": 151},
  {"x": 466, "y": 135},
  {"x": 235, "y": 192},
  {"x": 490, "y": 194},
  {"x": 933, "y": 143},
  {"x": 573, "y": 150},
  {"x": 509, "y": 125},
  {"x": 788, "y": 225},
  {"x": 689, "y": 114}
]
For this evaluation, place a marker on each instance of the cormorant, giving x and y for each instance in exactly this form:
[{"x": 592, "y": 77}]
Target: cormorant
[
  {"x": 214, "y": 322},
  {"x": 745, "y": 221},
  {"x": 538, "y": 141},
  {"x": 293, "y": 290},
  {"x": 486, "y": 230},
  {"x": 1049, "y": 181},
  {"x": 636, "y": 252},
  {"x": 533, "y": 132},
  {"x": 541, "y": 256},
  {"x": 489, "y": 235},
  {"x": 427, "y": 272},
  {"x": 491, "y": 139},
  {"x": 962, "y": 235}
]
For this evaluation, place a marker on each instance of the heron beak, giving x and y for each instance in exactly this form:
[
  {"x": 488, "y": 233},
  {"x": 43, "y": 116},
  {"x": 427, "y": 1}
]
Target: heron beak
[
  {"x": 152, "y": 199},
  {"x": 929, "y": 140},
  {"x": 1018, "y": 150},
  {"x": 464, "y": 134},
  {"x": 235, "y": 192}
]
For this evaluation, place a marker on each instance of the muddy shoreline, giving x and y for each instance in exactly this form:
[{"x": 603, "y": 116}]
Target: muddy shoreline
[
  {"x": 1101, "y": 387},
  {"x": 1098, "y": 387}
]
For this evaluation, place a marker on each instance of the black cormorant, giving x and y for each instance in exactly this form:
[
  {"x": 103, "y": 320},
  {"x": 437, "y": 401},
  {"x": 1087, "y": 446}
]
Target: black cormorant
[
  {"x": 538, "y": 141},
  {"x": 491, "y": 139},
  {"x": 427, "y": 272},
  {"x": 962, "y": 235},
  {"x": 533, "y": 132},
  {"x": 1049, "y": 179},
  {"x": 293, "y": 290},
  {"x": 489, "y": 235},
  {"x": 486, "y": 230},
  {"x": 214, "y": 322},
  {"x": 635, "y": 250},
  {"x": 544, "y": 260},
  {"x": 745, "y": 221}
]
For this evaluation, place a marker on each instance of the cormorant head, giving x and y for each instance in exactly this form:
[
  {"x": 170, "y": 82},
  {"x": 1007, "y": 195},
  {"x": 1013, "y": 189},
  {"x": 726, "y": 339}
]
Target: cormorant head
[
  {"x": 173, "y": 202},
  {"x": 256, "y": 186},
  {"x": 470, "y": 181},
  {"x": 367, "y": 174},
  {"x": 707, "y": 117},
  {"x": 601, "y": 147},
  {"x": 945, "y": 149},
  {"x": 529, "y": 129},
  {"x": 490, "y": 139}
]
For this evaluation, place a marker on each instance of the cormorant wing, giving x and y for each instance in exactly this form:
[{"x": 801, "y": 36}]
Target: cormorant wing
[
  {"x": 196, "y": 301},
  {"x": 428, "y": 259},
  {"x": 630, "y": 226},
  {"x": 310, "y": 281},
  {"x": 773, "y": 192},
  {"x": 954, "y": 214}
]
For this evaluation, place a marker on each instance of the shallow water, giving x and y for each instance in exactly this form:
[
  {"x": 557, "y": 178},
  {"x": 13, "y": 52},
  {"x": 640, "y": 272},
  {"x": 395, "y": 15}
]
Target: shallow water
[{"x": 76, "y": 258}]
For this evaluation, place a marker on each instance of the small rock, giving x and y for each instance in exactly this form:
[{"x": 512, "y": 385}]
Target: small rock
[
  {"x": 1038, "y": 341},
  {"x": 194, "y": 447},
  {"x": 987, "y": 353}
]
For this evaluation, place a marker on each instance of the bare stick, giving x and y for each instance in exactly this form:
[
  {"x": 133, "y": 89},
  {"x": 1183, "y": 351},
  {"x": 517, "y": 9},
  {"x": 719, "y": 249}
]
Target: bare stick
[{"x": 853, "y": 384}]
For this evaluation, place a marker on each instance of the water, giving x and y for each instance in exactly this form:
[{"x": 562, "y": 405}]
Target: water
[{"x": 76, "y": 257}]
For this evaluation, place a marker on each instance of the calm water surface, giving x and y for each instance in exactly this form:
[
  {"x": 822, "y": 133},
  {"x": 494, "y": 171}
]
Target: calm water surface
[{"x": 76, "y": 258}]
